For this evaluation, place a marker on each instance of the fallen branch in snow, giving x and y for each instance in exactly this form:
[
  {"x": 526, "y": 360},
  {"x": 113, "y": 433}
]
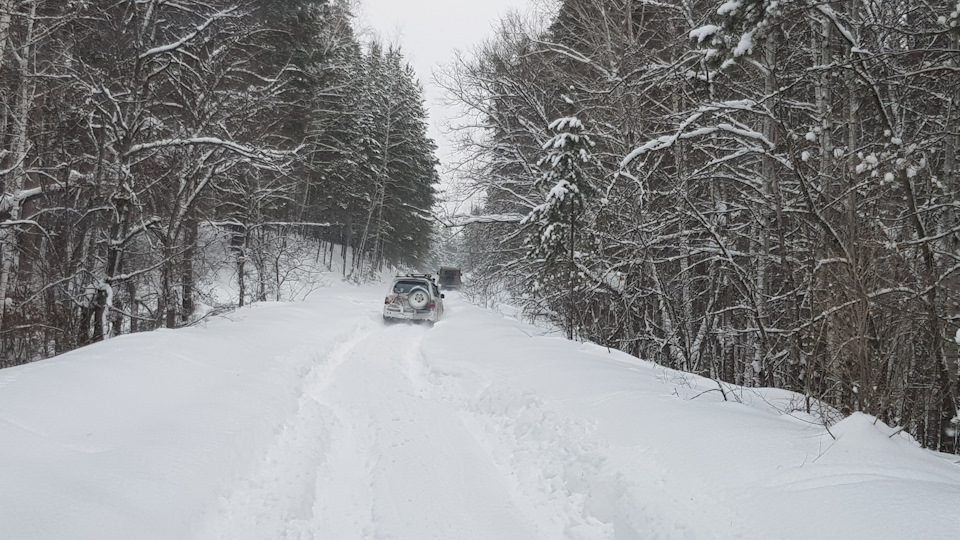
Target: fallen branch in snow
[{"x": 708, "y": 390}]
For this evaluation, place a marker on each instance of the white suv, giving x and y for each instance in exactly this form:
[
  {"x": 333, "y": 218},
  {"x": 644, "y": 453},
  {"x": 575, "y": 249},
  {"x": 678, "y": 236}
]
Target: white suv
[{"x": 413, "y": 297}]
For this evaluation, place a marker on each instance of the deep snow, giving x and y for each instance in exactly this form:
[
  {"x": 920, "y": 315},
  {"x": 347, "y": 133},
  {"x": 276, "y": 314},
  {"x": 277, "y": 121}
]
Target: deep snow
[{"x": 315, "y": 420}]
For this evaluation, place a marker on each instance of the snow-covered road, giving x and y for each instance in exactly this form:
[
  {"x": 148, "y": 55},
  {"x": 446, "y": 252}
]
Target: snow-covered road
[
  {"x": 316, "y": 420},
  {"x": 375, "y": 451}
]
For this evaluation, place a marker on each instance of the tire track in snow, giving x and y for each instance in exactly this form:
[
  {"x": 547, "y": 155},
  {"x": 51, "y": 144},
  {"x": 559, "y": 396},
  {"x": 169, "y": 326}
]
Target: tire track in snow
[
  {"x": 386, "y": 445},
  {"x": 405, "y": 458},
  {"x": 277, "y": 501},
  {"x": 566, "y": 477},
  {"x": 553, "y": 465}
]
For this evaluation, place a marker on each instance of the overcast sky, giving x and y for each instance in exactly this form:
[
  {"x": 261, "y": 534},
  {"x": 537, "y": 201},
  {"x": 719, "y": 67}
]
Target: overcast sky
[{"x": 429, "y": 31}]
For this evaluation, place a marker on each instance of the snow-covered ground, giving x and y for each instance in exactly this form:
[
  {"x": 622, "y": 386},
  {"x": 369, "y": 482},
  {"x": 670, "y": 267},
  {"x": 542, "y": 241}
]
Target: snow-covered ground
[{"x": 315, "y": 420}]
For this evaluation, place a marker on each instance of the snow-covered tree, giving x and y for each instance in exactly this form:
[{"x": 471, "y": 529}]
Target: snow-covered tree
[
  {"x": 398, "y": 164},
  {"x": 779, "y": 182},
  {"x": 559, "y": 223}
]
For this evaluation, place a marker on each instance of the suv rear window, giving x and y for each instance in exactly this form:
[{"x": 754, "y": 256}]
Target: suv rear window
[{"x": 405, "y": 286}]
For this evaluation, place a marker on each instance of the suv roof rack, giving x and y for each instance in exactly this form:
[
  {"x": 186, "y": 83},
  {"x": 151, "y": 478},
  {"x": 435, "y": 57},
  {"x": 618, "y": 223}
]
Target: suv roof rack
[{"x": 413, "y": 275}]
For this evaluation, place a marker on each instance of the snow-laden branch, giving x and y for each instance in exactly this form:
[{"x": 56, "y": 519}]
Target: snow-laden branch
[
  {"x": 108, "y": 282},
  {"x": 574, "y": 55},
  {"x": 237, "y": 223},
  {"x": 14, "y": 166},
  {"x": 244, "y": 150},
  {"x": 293, "y": 224},
  {"x": 10, "y": 200},
  {"x": 462, "y": 220},
  {"x": 667, "y": 141},
  {"x": 872, "y": 296},
  {"x": 149, "y": 224},
  {"x": 19, "y": 222},
  {"x": 829, "y": 13},
  {"x": 180, "y": 42}
]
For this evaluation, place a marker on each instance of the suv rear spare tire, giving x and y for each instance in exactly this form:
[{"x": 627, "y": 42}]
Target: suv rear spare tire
[{"x": 419, "y": 298}]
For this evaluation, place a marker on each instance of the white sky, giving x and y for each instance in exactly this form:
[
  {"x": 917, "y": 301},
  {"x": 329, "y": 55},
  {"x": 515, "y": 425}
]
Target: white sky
[{"x": 429, "y": 31}]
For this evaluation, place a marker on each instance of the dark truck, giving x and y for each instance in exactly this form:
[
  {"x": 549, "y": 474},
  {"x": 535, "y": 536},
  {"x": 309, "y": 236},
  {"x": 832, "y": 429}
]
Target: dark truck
[{"x": 449, "y": 277}]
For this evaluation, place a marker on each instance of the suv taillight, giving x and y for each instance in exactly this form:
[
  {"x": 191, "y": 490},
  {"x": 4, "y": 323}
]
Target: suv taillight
[
  {"x": 431, "y": 305},
  {"x": 386, "y": 301}
]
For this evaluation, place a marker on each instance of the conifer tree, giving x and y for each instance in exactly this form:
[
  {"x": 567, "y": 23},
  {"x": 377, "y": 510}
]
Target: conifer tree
[
  {"x": 331, "y": 195},
  {"x": 559, "y": 222},
  {"x": 135, "y": 134},
  {"x": 399, "y": 166}
]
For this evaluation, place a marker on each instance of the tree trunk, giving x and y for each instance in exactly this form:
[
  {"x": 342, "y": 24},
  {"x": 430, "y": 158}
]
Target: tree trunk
[
  {"x": 9, "y": 237},
  {"x": 238, "y": 245},
  {"x": 191, "y": 232},
  {"x": 6, "y": 9},
  {"x": 571, "y": 273}
]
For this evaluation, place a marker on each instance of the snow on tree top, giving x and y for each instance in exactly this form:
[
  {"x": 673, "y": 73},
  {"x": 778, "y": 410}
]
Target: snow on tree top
[{"x": 570, "y": 122}]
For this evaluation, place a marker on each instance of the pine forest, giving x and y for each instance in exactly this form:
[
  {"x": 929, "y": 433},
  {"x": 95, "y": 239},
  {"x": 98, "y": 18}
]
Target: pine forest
[{"x": 148, "y": 144}]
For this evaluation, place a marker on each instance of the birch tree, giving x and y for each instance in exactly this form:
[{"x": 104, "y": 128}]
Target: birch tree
[{"x": 779, "y": 182}]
